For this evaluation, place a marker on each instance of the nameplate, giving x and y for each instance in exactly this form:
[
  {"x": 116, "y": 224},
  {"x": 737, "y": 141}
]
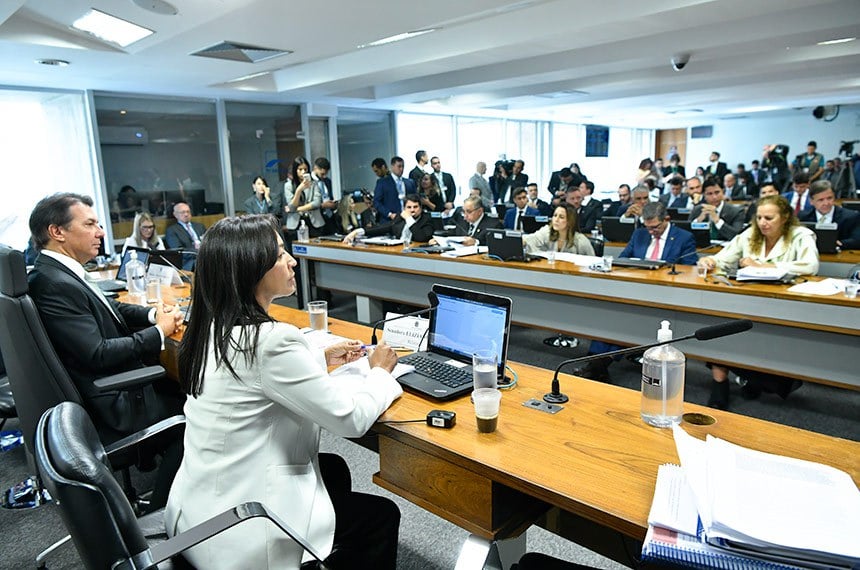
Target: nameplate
[
  {"x": 168, "y": 275},
  {"x": 700, "y": 225},
  {"x": 826, "y": 226},
  {"x": 407, "y": 332},
  {"x": 300, "y": 249}
]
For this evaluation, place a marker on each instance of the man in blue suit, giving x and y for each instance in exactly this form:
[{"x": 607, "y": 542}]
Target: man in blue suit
[
  {"x": 390, "y": 191},
  {"x": 656, "y": 239},
  {"x": 514, "y": 216},
  {"x": 824, "y": 211},
  {"x": 798, "y": 197}
]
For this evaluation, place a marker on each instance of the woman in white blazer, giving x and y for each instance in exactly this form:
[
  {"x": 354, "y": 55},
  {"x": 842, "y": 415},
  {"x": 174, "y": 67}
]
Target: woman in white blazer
[{"x": 259, "y": 395}]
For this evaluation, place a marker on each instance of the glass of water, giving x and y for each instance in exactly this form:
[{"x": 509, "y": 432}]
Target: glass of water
[
  {"x": 318, "y": 312},
  {"x": 553, "y": 247}
]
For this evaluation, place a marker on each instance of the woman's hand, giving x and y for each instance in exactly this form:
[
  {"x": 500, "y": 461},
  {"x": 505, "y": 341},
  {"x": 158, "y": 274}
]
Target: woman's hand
[
  {"x": 349, "y": 238},
  {"x": 750, "y": 262},
  {"x": 707, "y": 262},
  {"x": 384, "y": 357},
  {"x": 343, "y": 352}
]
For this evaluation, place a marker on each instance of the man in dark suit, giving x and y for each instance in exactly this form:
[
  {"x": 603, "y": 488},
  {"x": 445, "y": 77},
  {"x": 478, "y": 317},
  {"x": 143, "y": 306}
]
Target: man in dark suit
[
  {"x": 391, "y": 190},
  {"x": 446, "y": 182},
  {"x": 513, "y": 217},
  {"x": 590, "y": 210},
  {"x": 517, "y": 179},
  {"x": 767, "y": 189},
  {"x": 732, "y": 189},
  {"x": 726, "y": 221},
  {"x": 543, "y": 208},
  {"x": 716, "y": 169},
  {"x": 656, "y": 239},
  {"x": 798, "y": 196},
  {"x": 184, "y": 234},
  {"x": 675, "y": 197},
  {"x": 624, "y": 197},
  {"x": 824, "y": 211},
  {"x": 95, "y": 336},
  {"x": 412, "y": 224},
  {"x": 416, "y": 173},
  {"x": 475, "y": 224}
]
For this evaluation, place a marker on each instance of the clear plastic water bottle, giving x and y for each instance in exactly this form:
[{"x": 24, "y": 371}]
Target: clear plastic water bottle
[
  {"x": 303, "y": 234},
  {"x": 135, "y": 274},
  {"x": 663, "y": 370}
]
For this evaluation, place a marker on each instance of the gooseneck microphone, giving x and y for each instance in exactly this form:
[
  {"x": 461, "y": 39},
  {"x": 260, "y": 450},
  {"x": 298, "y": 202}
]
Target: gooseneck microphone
[
  {"x": 674, "y": 271},
  {"x": 182, "y": 277},
  {"x": 434, "y": 304},
  {"x": 705, "y": 333}
]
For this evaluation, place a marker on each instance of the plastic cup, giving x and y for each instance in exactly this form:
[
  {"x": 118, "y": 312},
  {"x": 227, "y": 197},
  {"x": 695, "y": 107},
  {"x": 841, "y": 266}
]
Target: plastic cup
[
  {"x": 487, "y": 402},
  {"x": 851, "y": 289},
  {"x": 484, "y": 369},
  {"x": 702, "y": 271},
  {"x": 607, "y": 263},
  {"x": 153, "y": 289},
  {"x": 318, "y": 312}
]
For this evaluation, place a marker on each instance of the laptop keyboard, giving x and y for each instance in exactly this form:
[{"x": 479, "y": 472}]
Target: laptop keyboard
[{"x": 446, "y": 374}]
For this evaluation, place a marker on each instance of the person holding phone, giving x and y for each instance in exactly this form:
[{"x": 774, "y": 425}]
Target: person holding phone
[{"x": 301, "y": 198}]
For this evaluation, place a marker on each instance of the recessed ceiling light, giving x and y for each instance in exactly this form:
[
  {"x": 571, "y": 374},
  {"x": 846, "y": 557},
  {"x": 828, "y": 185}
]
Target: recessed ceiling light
[
  {"x": 157, "y": 7},
  {"x": 838, "y": 41},
  {"x": 398, "y": 38},
  {"x": 110, "y": 28},
  {"x": 123, "y": 112},
  {"x": 54, "y": 62}
]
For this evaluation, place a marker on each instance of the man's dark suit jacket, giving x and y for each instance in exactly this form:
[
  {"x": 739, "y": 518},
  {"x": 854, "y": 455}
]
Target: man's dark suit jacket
[
  {"x": 671, "y": 201},
  {"x": 730, "y": 214},
  {"x": 615, "y": 209},
  {"x": 847, "y": 225},
  {"x": 680, "y": 247},
  {"x": 422, "y": 229},
  {"x": 722, "y": 170},
  {"x": 588, "y": 215},
  {"x": 450, "y": 187},
  {"x": 737, "y": 192},
  {"x": 416, "y": 174},
  {"x": 176, "y": 237},
  {"x": 511, "y": 215},
  {"x": 92, "y": 343},
  {"x": 486, "y": 223},
  {"x": 385, "y": 197},
  {"x": 521, "y": 180}
]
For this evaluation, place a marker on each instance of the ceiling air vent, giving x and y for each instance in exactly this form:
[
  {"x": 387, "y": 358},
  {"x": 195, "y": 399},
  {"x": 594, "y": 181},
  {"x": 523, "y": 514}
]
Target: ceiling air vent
[{"x": 234, "y": 51}]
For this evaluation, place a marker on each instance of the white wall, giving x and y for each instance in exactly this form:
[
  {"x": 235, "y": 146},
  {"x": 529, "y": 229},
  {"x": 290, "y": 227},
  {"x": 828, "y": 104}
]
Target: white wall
[{"x": 741, "y": 140}]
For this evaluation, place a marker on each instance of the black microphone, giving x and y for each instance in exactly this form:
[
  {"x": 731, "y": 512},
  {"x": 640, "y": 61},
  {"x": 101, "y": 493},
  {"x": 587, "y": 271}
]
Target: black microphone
[
  {"x": 182, "y": 277},
  {"x": 434, "y": 304},
  {"x": 674, "y": 271},
  {"x": 705, "y": 333}
]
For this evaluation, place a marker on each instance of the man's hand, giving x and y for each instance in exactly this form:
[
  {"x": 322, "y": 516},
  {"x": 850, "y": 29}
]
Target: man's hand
[
  {"x": 391, "y": 215},
  {"x": 329, "y": 204},
  {"x": 349, "y": 238},
  {"x": 634, "y": 210},
  {"x": 405, "y": 215},
  {"x": 469, "y": 240},
  {"x": 343, "y": 352},
  {"x": 167, "y": 318},
  {"x": 384, "y": 357}
]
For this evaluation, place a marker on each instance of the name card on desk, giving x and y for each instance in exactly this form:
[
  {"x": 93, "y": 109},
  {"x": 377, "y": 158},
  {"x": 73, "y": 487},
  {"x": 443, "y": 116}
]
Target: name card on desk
[
  {"x": 407, "y": 333},
  {"x": 168, "y": 275}
]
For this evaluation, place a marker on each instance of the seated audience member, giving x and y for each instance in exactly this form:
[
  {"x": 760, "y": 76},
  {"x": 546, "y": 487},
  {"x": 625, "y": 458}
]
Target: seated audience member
[
  {"x": 590, "y": 210},
  {"x": 725, "y": 220},
  {"x": 693, "y": 190},
  {"x": 475, "y": 224},
  {"x": 733, "y": 189},
  {"x": 412, "y": 224},
  {"x": 675, "y": 197},
  {"x": 825, "y": 211},
  {"x": 262, "y": 200},
  {"x": 560, "y": 234},
  {"x": 432, "y": 199},
  {"x": 95, "y": 336},
  {"x": 567, "y": 179},
  {"x": 369, "y": 216},
  {"x": 746, "y": 179},
  {"x": 767, "y": 190},
  {"x": 798, "y": 196},
  {"x": 658, "y": 238},
  {"x": 184, "y": 234},
  {"x": 345, "y": 218},
  {"x": 674, "y": 169},
  {"x": 143, "y": 234},
  {"x": 641, "y": 196},
  {"x": 513, "y": 217},
  {"x": 260, "y": 395},
  {"x": 624, "y": 197},
  {"x": 775, "y": 240},
  {"x": 543, "y": 208}
]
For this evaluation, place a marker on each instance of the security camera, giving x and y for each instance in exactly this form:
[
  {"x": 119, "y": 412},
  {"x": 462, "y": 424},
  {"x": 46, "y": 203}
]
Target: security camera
[{"x": 679, "y": 61}]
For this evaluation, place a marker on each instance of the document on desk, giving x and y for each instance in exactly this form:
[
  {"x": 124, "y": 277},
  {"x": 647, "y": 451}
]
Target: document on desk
[
  {"x": 674, "y": 506},
  {"x": 827, "y": 286},
  {"x": 463, "y": 251},
  {"x": 760, "y": 274},
  {"x": 382, "y": 241},
  {"x": 361, "y": 367}
]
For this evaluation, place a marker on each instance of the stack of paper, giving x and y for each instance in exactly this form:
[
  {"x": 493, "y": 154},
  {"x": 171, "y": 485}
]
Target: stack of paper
[
  {"x": 754, "y": 510},
  {"x": 760, "y": 274}
]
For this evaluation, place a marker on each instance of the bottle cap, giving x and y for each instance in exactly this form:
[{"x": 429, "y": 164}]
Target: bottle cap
[{"x": 665, "y": 333}]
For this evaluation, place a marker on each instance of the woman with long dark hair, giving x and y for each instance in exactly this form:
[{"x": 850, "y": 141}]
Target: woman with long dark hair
[
  {"x": 260, "y": 394},
  {"x": 302, "y": 199},
  {"x": 560, "y": 234}
]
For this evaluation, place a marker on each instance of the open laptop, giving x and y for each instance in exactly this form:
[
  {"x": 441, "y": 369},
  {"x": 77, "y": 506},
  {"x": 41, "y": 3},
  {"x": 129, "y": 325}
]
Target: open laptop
[
  {"x": 507, "y": 245},
  {"x": 464, "y": 322},
  {"x": 500, "y": 209},
  {"x": 119, "y": 283},
  {"x": 825, "y": 239},
  {"x": 531, "y": 224},
  {"x": 616, "y": 230},
  {"x": 679, "y": 214},
  {"x": 637, "y": 263},
  {"x": 702, "y": 235}
]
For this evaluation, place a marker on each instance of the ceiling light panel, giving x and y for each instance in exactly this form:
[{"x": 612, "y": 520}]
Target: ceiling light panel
[{"x": 110, "y": 28}]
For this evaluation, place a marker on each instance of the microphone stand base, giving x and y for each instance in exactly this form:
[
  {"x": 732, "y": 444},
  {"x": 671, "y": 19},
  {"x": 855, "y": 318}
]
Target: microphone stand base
[
  {"x": 553, "y": 398},
  {"x": 673, "y": 271}
]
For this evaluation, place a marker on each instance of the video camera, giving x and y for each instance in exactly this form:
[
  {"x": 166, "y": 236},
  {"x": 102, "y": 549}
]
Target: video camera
[{"x": 847, "y": 147}]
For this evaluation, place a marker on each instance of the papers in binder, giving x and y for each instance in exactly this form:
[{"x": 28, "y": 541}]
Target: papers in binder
[
  {"x": 760, "y": 274},
  {"x": 361, "y": 367},
  {"x": 463, "y": 251}
]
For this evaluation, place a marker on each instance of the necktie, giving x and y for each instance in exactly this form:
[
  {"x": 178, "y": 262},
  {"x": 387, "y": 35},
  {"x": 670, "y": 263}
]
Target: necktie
[
  {"x": 655, "y": 254},
  {"x": 797, "y": 206},
  {"x": 471, "y": 229},
  {"x": 194, "y": 238},
  {"x": 519, "y": 223},
  {"x": 400, "y": 192}
]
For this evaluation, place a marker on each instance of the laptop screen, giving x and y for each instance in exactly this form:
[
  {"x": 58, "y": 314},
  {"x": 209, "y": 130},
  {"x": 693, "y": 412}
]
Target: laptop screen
[
  {"x": 142, "y": 256},
  {"x": 469, "y": 321}
]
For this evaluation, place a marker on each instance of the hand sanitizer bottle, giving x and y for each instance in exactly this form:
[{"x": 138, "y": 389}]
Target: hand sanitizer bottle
[
  {"x": 303, "y": 235},
  {"x": 663, "y": 369}
]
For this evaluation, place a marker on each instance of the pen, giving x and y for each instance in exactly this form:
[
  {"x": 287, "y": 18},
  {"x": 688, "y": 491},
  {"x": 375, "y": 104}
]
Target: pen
[{"x": 368, "y": 346}]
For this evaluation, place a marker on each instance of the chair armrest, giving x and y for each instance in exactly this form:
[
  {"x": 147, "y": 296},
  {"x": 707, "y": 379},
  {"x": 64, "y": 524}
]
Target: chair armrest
[
  {"x": 219, "y": 523},
  {"x": 131, "y": 379},
  {"x": 144, "y": 434}
]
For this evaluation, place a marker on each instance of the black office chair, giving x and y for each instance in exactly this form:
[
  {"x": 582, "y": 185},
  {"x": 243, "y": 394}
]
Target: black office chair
[
  {"x": 75, "y": 468},
  {"x": 7, "y": 402},
  {"x": 598, "y": 245}
]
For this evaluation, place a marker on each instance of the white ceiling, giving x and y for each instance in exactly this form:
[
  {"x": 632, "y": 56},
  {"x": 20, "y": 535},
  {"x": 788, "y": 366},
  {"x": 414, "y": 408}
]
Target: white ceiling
[{"x": 602, "y": 62}]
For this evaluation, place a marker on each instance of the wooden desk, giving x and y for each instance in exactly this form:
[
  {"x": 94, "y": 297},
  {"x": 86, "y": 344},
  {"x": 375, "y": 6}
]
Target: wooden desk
[
  {"x": 803, "y": 336},
  {"x": 595, "y": 459}
]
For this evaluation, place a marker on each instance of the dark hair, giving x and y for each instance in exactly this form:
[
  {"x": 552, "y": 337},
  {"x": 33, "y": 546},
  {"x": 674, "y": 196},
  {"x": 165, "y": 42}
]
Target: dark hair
[
  {"x": 519, "y": 190},
  {"x": 298, "y": 161},
  {"x": 589, "y": 184},
  {"x": 676, "y": 181},
  {"x": 710, "y": 181},
  {"x": 234, "y": 255},
  {"x": 412, "y": 198},
  {"x": 53, "y": 210},
  {"x": 434, "y": 184},
  {"x": 254, "y": 181},
  {"x": 675, "y": 157},
  {"x": 322, "y": 162},
  {"x": 819, "y": 186},
  {"x": 531, "y": 184},
  {"x": 755, "y": 162},
  {"x": 812, "y": 143},
  {"x": 378, "y": 162},
  {"x": 800, "y": 178},
  {"x": 620, "y": 186},
  {"x": 396, "y": 159},
  {"x": 572, "y": 225},
  {"x": 741, "y": 165},
  {"x": 715, "y": 152},
  {"x": 565, "y": 172},
  {"x": 419, "y": 154},
  {"x": 645, "y": 164}
]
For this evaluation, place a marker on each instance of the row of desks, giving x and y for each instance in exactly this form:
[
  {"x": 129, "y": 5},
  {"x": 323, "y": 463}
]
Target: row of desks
[{"x": 799, "y": 335}]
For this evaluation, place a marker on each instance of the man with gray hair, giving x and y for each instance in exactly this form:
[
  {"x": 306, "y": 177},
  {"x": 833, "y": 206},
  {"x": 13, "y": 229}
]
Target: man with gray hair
[
  {"x": 478, "y": 181},
  {"x": 475, "y": 224},
  {"x": 658, "y": 238},
  {"x": 825, "y": 211}
]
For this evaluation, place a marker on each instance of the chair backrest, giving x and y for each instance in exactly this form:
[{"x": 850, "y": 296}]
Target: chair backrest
[
  {"x": 598, "y": 245},
  {"x": 36, "y": 374},
  {"x": 75, "y": 469}
]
